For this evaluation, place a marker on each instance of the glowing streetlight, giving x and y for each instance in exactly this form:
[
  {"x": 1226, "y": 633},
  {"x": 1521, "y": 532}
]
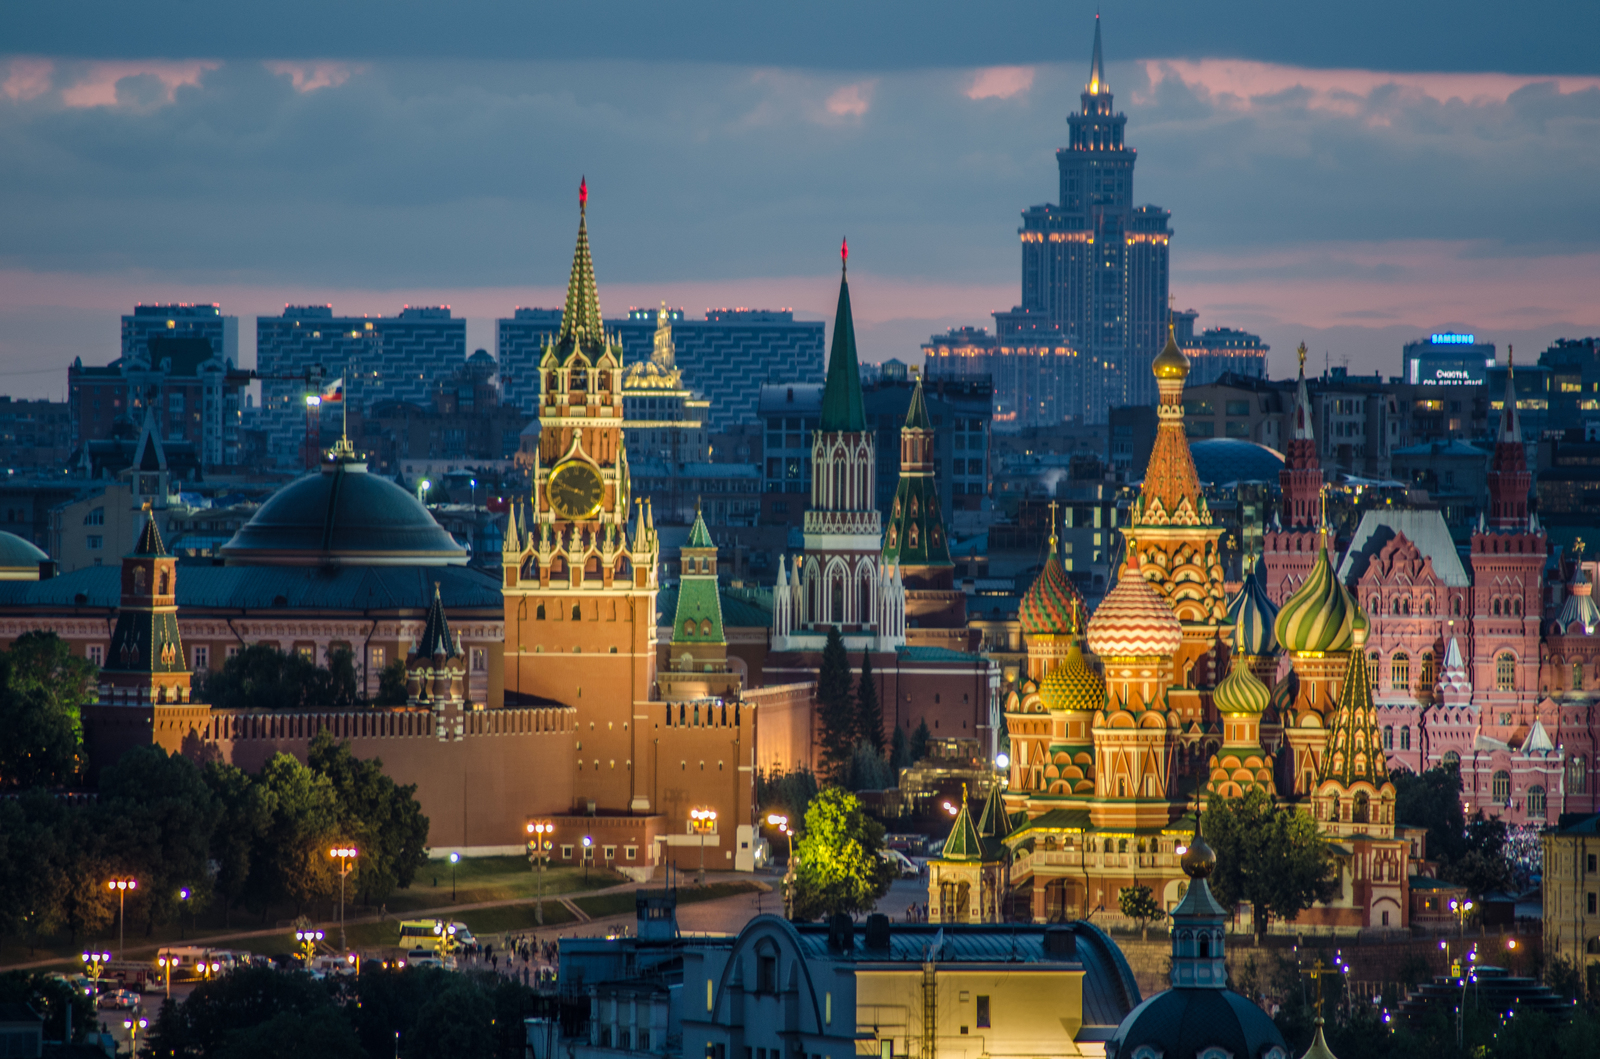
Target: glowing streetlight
[
  {"x": 346, "y": 858},
  {"x": 703, "y": 821},
  {"x": 422, "y": 490},
  {"x": 121, "y": 887},
  {"x": 588, "y": 851},
  {"x": 307, "y": 940},
  {"x": 95, "y": 961},
  {"x": 1002, "y": 761},
  {"x": 782, "y": 824},
  {"x": 167, "y": 963},
  {"x": 133, "y": 1026},
  {"x": 313, "y": 401},
  {"x": 455, "y": 858},
  {"x": 541, "y": 832}
]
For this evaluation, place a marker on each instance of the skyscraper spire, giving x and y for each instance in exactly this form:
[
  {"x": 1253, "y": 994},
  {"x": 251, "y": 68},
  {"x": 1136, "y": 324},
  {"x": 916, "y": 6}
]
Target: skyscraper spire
[
  {"x": 581, "y": 315},
  {"x": 1097, "y": 79}
]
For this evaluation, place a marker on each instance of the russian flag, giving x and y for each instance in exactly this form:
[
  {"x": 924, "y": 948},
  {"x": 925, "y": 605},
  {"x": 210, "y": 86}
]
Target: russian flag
[{"x": 333, "y": 392}]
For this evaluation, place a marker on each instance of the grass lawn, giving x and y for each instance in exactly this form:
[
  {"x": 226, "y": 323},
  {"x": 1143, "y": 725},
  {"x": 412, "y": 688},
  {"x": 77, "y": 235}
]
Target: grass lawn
[
  {"x": 493, "y": 879},
  {"x": 622, "y": 902}
]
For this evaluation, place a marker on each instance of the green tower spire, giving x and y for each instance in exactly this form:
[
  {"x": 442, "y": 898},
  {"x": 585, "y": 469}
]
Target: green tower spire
[
  {"x": 582, "y": 311},
  {"x": 842, "y": 406}
]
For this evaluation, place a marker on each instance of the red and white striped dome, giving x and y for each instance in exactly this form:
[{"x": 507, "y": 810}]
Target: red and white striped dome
[{"x": 1133, "y": 621}]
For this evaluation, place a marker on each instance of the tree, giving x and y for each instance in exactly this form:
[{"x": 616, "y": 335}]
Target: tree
[
  {"x": 43, "y": 689},
  {"x": 836, "y": 707},
  {"x": 455, "y": 1023},
  {"x": 867, "y": 770},
  {"x": 53, "y": 998},
  {"x": 323, "y": 1032},
  {"x": 919, "y": 741},
  {"x": 221, "y": 1011},
  {"x": 899, "y": 750},
  {"x": 158, "y": 817},
  {"x": 1273, "y": 858},
  {"x": 788, "y": 791},
  {"x": 1139, "y": 905},
  {"x": 290, "y": 864},
  {"x": 243, "y": 814},
  {"x": 392, "y": 685},
  {"x": 838, "y": 867},
  {"x": 869, "y": 710},
  {"x": 43, "y": 660},
  {"x": 261, "y": 677},
  {"x": 1469, "y": 854},
  {"x": 382, "y": 818}
]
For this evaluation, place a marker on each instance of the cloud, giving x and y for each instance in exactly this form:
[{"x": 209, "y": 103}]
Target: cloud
[
  {"x": 1000, "y": 82},
  {"x": 308, "y": 77},
  {"x": 851, "y": 100},
  {"x": 156, "y": 81},
  {"x": 27, "y": 78}
]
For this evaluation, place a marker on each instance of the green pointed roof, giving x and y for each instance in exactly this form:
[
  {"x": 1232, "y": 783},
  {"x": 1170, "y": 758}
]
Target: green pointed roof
[
  {"x": 1355, "y": 752},
  {"x": 964, "y": 842},
  {"x": 992, "y": 824},
  {"x": 436, "y": 638},
  {"x": 699, "y": 536},
  {"x": 842, "y": 406},
  {"x": 150, "y": 539},
  {"x": 915, "y": 535},
  {"x": 917, "y": 417},
  {"x": 583, "y": 299}
]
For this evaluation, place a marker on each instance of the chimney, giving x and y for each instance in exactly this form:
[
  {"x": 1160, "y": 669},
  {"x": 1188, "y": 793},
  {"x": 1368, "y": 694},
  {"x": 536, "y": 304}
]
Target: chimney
[{"x": 878, "y": 932}]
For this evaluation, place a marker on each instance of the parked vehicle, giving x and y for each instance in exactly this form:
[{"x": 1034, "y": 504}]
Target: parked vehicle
[{"x": 901, "y": 863}]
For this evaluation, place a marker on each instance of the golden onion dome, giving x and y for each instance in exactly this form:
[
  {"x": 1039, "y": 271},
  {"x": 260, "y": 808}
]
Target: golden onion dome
[
  {"x": 1074, "y": 684},
  {"x": 1320, "y": 613},
  {"x": 1170, "y": 363}
]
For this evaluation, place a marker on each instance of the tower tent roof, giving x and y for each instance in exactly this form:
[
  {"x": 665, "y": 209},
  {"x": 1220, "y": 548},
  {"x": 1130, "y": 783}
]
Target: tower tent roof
[
  {"x": 150, "y": 538},
  {"x": 580, "y": 320},
  {"x": 1097, "y": 77},
  {"x": 1355, "y": 752},
  {"x": 436, "y": 638},
  {"x": 842, "y": 406}
]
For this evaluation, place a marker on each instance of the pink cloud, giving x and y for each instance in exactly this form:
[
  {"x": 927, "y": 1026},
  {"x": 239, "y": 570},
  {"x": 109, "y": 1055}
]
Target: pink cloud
[
  {"x": 1000, "y": 82},
  {"x": 308, "y": 77},
  {"x": 96, "y": 83},
  {"x": 27, "y": 78},
  {"x": 1243, "y": 85},
  {"x": 851, "y": 101}
]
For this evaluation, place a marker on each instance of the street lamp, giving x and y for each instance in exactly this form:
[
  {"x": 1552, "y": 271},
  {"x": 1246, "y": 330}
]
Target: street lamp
[
  {"x": 167, "y": 963},
  {"x": 133, "y": 1026},
  {"x": 183, "y": 895},
  {"x": 308, "y": 941},
  {"x": 782, "y": 824},
  {"x": 537, "y": 845},
  {"x": 588, "y": 849},
  {"x": 703, "y": 821},
  {"x": 346, "y": 858},
  {"x": 1462, "y": 909},
  {"x": 455, "y": 858},
  {"x": 95, "y": 961},
  {"x": 121, "y": 888},
  {"x": 422, "y": 490}
]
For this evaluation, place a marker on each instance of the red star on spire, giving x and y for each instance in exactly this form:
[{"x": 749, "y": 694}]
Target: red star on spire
[
  {"x": 583, "y": 193},
  {"x": 844, "y": 252}
]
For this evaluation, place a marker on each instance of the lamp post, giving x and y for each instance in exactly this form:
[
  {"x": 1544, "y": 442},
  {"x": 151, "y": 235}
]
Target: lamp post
[
  {"x": 782, "y": 824},
  {"x": 1462, "y": 909},
  {"x": 537, "y": 845},
  {"x": 95, "y": 961},
  {"x": 183, "y": 895},
  {"x": 121, "y": 887},
  {"x": 588, "y": 847},
  {"x": 133, "y": 1026},
  {"x": 166, "y": 963},
  {"x": 307, "y": 940},
  {"x": 345, "y": 856},
  {"x": 422, "y": 491},
  {"x": 703, "y": 821},
  {"x": 455, "y": 858}
]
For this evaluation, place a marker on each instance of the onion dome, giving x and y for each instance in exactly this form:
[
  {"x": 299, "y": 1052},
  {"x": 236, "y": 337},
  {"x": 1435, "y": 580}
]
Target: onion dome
[
  {"x": 1051, "y": 606},
  {"x": 1252, "y": 615},
  {"x": 1170, "y": 363},
  {"x": 1074, "y": 684},
  {"x": 1284, "y": 692},
  {"x": 1241, "y": 691},
  {"x": 1199, "y": 860},
  {"x": 1319, "y": 614},
  {"x": 1133, "y": 621}
]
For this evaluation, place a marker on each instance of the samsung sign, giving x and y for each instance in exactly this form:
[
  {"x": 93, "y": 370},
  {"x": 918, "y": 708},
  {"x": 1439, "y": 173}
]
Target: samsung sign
[{"x": 1448, "y": 339}]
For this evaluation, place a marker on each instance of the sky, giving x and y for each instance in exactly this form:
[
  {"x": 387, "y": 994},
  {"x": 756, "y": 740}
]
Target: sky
[{"x": 1352, "y": 176}]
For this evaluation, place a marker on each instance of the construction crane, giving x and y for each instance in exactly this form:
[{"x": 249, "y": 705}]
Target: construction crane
[{"x": 312, "y": 378}]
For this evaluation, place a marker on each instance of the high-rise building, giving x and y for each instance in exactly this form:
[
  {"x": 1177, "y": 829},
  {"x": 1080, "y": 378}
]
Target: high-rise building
[
  {"x": 519, "y": 342},
  {"x": 380, "y": 358},
  {"x": 181, "y": 320},
  {"x": 1217, "y": 351},
  {"x": 1447, "y": 359},
  {"x": 1094, "y": 266}
]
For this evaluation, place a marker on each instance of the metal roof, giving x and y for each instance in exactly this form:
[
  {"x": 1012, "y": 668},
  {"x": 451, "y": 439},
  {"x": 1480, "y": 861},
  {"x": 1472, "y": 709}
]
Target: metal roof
[{"x": 1425, "y": 529}]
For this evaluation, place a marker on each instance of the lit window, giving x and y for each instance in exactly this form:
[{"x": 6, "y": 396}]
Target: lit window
[{"x": 1505, "y": 672}]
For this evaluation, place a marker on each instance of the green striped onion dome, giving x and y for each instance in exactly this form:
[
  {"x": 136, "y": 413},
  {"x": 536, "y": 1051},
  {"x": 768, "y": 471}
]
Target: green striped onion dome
[
  {"x": 1051, "y": 606},
  {"x": 1284, "y": 692},
  {"x": 1318, "y": 616},
  {"x": 1252, "y": 615},
  {"x": 1074, "y": 684},
  {"x": 1133, "y": 621},
  {"x": 1241, "y": 692}
]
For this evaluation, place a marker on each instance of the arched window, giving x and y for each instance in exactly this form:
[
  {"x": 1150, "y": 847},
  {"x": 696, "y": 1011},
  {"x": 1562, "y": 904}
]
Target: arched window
[
  {"x": 1400, "y": 671},
  {"x": 1388, "y": 737},
  {"x": 1375, "y": 606},
  {"x": 1516, "y": 607},
  {"x": 1455, "y": 607},
  {"x": 1374, "y": 668},
  {"x": 1122, "y": 845},
  {"x": 1405, "y": 737},
  {"x": 539, "y": 613},
  {"x": 1500, "y": 787},
  {"x": 1427, "y": 606},
  {"x": 1359, "y": 811},
  {"x": 1535, "y": 803},
  {"x": 1430, "y": 671},
  {"x": 1205, "y": 946},
  {"x": 577, "y": 613},
  {"x": 1577, "y": 775},
  {"x": 1452, "y": 758},
  {"x": 1333, "y": 807},
  {"x": 1577, "y": 676},
  {"x": 1505, "y": 672},
  {"x": 1496, "y": 608}
]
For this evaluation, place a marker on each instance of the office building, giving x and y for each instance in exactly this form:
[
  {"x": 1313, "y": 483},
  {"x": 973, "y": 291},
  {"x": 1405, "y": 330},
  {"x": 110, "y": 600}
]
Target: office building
[
  {"x": 179, "y": 364},
  {"x": 519, "y": 342},
  {"x": 662, "y": 419},
  {"x": 1094, "y": 266},
  {"x": 380, "y": 358},
  {"x": 1574, "y": 383},
  {"x": 35, "y": 435},
  {"x": 1218, "y": 351},
  {"x": 1447, "y": 359},
  {"x": 1032, "y": 384}
]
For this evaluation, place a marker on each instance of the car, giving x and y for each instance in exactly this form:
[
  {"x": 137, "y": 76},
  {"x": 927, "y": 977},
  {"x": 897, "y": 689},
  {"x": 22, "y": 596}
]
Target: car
[
  {"x": 119, "y": 999},
  {"x": 901, "y": 863}
]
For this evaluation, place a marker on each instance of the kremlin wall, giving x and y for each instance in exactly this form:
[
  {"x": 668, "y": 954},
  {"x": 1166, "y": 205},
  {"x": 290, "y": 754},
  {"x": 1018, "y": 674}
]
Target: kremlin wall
[{"x": 571, "y": 685}]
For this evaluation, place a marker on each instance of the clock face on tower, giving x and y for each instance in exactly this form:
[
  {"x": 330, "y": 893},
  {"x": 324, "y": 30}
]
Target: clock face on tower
[{"x": 575, "y": 490}]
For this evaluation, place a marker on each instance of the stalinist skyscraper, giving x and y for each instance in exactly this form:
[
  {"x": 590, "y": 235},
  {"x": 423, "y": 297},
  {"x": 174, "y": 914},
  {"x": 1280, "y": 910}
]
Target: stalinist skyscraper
[{"x": 1094, "y": 267}]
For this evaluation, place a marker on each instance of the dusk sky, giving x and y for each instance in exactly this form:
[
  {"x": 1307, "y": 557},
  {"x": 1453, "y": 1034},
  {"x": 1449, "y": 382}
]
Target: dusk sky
[{"x": 1350, "y": 175}]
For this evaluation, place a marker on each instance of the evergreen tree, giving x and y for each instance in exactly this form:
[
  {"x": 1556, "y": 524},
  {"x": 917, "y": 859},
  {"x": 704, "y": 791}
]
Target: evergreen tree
[
  {"x": 836, "y": 705},
  {"x": 899, "y": 750},
  {"x": 919, "y": 742},
  {"x": 869, "y": 711}
]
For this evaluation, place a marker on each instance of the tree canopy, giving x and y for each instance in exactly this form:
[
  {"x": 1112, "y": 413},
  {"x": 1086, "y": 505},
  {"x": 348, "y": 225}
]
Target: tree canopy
[
  {"x": 43, "y": 689},
  {"x": 261, "y": 677},
  {"x": 838, "y": 867},
  {"x": 1274, "y": 858},
  {"x": 1469, "y": 853},
  {"x": 836, "y": 713},
  {"x": 869, "y": 709}
]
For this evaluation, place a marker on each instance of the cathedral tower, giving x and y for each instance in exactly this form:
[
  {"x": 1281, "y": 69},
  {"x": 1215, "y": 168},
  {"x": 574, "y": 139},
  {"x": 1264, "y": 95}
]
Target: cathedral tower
[
  {"x": 1291, "y": 546},
  {"x": 146, "y": 663}
]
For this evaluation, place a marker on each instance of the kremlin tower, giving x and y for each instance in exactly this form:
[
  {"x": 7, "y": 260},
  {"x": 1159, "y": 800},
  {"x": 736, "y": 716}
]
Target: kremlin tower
[{"x": 1290, "y": 547}]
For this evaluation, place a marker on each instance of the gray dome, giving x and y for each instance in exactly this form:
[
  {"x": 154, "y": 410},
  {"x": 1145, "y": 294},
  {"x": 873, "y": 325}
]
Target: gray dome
[
  {"x": 343, "y": 516},
  {"x": 1185, "y": 1022},
  {"x": 16, "y": 553},
  {"x": 1218, "y": 460}
]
